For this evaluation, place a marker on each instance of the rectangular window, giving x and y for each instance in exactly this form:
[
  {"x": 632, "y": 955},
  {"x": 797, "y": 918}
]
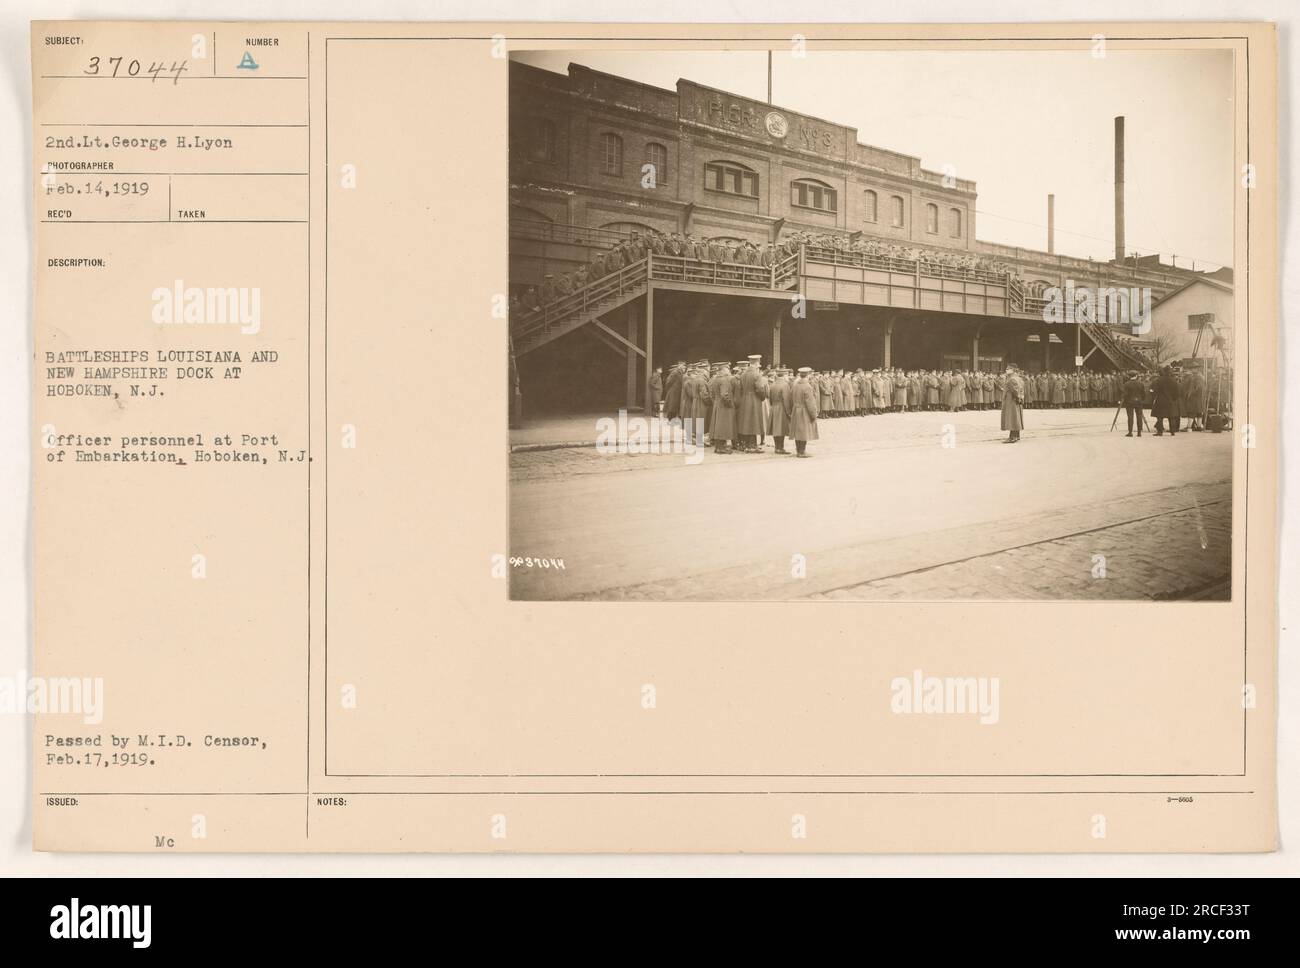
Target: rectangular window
[
  {"x": 809, "y": 195},
  {"x": 656, "y": 156},
  {"x": 732, "y": 179},
  {"x": 613, "y": 146}
]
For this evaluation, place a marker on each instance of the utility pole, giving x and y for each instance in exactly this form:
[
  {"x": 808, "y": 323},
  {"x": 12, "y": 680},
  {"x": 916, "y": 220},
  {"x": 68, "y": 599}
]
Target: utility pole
[{"x": 769, "y": 77}]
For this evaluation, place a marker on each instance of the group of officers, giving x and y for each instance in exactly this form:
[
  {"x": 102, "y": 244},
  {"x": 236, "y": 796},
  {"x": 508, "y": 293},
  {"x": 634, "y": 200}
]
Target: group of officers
[
  {"x": 722, "y": 403},
  {"x": 734, "y": 406}
]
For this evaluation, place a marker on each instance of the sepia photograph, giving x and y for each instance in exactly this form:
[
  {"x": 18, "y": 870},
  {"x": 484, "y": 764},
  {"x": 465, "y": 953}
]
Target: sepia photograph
[{"x": 776, "y": 315}]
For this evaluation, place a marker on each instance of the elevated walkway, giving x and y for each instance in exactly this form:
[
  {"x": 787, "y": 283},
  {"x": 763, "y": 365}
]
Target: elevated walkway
[{"x": 824, "y": 274}]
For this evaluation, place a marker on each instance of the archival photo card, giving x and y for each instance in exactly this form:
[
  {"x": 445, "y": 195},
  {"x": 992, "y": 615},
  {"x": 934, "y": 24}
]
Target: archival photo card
[{"x": 587, "y": 438}]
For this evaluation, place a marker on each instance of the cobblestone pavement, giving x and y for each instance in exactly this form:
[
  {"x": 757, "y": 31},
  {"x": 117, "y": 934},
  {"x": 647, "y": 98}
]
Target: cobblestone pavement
[
  {"x": 1170, "y": 555},
  {"x": 886, "y": 511}
]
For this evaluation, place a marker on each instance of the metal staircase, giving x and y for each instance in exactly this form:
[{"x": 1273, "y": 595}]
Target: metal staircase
[
  {"x": 1123, "y": 357},
  {"x": 574, "y": 310},
  {"x": 577, "y": 309},
  {"x": 1114, "y": 349}
]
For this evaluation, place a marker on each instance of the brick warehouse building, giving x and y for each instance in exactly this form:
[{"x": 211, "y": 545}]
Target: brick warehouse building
[{"x": 731, "y": 168}]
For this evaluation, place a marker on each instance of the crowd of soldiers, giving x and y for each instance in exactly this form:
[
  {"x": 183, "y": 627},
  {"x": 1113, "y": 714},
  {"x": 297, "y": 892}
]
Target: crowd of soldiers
[
  {"x": 744, "y": 402},
  {"x": 845, "y": 393},
  {"x": 731, "y": 251},
  {"x": 877, "y": 248}
]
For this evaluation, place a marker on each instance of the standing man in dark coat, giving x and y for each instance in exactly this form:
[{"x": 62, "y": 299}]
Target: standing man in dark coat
[
  {"x": 723, "y": 428},
  {"x": 1194, "y": 397},
  {"x": 1133, "y": 395},
  {"x": 803, "y": 418},
  {"x": 1168, "y": 402},
  {"x": 753, "y": 389},
  {"x": 673, "y": 400},
  {"x": 656, "y": 391},
  {"x": 690, "y": 386},
  {"x": 1013, "y": 398},
  {"x": 699, "y": 415},
  {"x": 781, "y": 401}
]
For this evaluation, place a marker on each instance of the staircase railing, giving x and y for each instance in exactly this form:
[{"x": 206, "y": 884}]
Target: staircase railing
[
  {"x": 1017, "y": 293},
  {"x": 785, "y": 272},
  {"x": 662, "y": 268},
  {"x": 630, "y": 278},
  {"x": 1112, "y": 347}
]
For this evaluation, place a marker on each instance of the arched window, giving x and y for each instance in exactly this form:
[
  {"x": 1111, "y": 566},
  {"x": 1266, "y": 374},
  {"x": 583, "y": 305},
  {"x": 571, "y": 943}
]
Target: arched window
[
  {"x": 806, "y": 193},
  {"x": 612, "y": 153},
  {"x": 544, "y": 141},
  {"x": 896, "y": 211},
  {"x": 656, "y": 156},
  {"x": 954, "y": 222},
  {"x": 521, "y": 213},
  {"x": 870, "y": 208},
  {"x": 630, "y": 228},
  {"x": 932, "y": 217},
  {"x": 730, "y": 177}
]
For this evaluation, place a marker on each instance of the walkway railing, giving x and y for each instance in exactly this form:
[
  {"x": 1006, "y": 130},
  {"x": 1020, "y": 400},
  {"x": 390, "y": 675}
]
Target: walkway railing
[
  {"x": 677, "y": 268},
  {"x": 888, "y": 263},
  {"x": 614, "y": 288}
]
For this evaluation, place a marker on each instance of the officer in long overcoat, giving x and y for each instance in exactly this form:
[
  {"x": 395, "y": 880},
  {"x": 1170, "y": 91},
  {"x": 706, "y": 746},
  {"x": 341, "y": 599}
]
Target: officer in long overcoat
[
  {"x": 1013, "y": 399},
  {"x": 673, "y": 391},
  {"x": 699, "y": 414},
  {"x": 723, "y": 429},
  {"x": 803, "y": 418},
  {"x": 1168, "y": 402},
  {"x": 879, "y": 390},
  {"x": 956, "y": 391},
  {"x": 781, "y": 399},
  {"x": 821, "y": 382},
  {"x": 690, "y": 385},
  {"x": 749, "y": 408}
]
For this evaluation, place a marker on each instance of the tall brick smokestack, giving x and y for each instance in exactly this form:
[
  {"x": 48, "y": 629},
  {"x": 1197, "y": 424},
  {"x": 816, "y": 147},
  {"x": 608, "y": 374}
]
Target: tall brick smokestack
[
  {"x": 1051, "y": 224},
  {"x": 1119, "y": 189}
]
